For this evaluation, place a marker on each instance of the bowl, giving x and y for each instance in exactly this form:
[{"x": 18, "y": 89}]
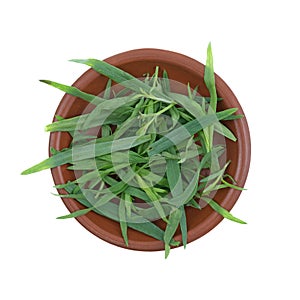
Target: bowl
[{"x": 182, "y": 69}]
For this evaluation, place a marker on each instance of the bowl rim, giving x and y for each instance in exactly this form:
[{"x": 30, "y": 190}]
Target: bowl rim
[{"x": 190, "y": 65}]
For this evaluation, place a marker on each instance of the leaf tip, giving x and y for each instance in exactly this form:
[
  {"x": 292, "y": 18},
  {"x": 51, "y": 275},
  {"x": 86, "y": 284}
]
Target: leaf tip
[
  {"x": 80, "y": 61},
  {"x": 167, "y": 250},
  {"x": 45, "y": 81}
]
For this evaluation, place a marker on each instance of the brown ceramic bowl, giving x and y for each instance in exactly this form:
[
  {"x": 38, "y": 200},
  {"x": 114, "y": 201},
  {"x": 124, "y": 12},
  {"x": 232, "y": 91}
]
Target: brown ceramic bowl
[{"x": 180, "y": 68}]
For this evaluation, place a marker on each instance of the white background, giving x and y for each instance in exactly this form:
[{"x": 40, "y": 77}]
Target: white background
[{"x": 256, "y": 49}]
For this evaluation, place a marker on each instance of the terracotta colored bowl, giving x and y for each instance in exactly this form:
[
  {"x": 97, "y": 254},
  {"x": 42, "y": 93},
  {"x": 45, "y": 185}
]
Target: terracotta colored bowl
[{"x": 180, "y": 68}]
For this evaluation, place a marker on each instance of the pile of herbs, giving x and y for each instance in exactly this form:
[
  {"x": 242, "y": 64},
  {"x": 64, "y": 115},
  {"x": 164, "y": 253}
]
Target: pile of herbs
[{"x": 144, "y": 152}]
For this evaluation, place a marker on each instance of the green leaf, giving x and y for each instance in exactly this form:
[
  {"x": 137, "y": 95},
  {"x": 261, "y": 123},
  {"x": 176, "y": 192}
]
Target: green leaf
[
  {"x": 174, "y": 219},
  {"x": 74, "y": 91},
  {"x": 233, "y": 186},
  {"x": 76, "y": 213},
  {"x": 127, "y": 203},
  {"x": 165, "y": 83},
  {"x": 222, "y": 211},
  {"x": 233, "y": 117},
  {"x": 53, "y": 151},
  {"x": 209, "y": 78},
  {"x": 193, "y": 203},
  {"x": 107, "y": 90},
  {"x": 175, "y": 115},
  {"x": 59, "y": 118},
  {"x": 223, "y": 130},
  {"x": 123, "y": 223},
  {"x": 174, "y": 175},
  {"x": 167, "y": 250},
  {"x": 183, "y": 227}
]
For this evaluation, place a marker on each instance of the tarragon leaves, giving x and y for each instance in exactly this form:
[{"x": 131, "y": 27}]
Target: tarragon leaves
[{"x": 152, "y": 156}]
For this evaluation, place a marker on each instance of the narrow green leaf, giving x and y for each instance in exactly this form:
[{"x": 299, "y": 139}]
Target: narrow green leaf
[
  {"x": 233, "y": 186},
  {"x": 222, "y": 211},
  {"x": 59, "y": 118},
  {"x": 74, "y": 91},
  {"x": 107, "y": 90},
  {"x": 233, "y": 117},
  {"x": 165, "y": 83},
  {"x": 128, "y": 203},
  {"x": 223, "y": 130},
  {"x": 53, "y": 151},
  {"x": 174, "y": 219},
  {"x": 190, "y": 93},
  {"x": 76, "y": 213},
  {"x": 123, "y": 223},
  {"x": 175, "y": 116},
  {"x": 193, "y": 203},
  {"x": 209, "y": 78},
  {"x": 183, "y": 227},
  {"x": 167, "y": 250},
  {"x": 174, "y": 175}
]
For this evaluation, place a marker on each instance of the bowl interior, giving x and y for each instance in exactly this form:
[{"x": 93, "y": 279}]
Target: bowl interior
[{"x": 180, "y": 68}]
